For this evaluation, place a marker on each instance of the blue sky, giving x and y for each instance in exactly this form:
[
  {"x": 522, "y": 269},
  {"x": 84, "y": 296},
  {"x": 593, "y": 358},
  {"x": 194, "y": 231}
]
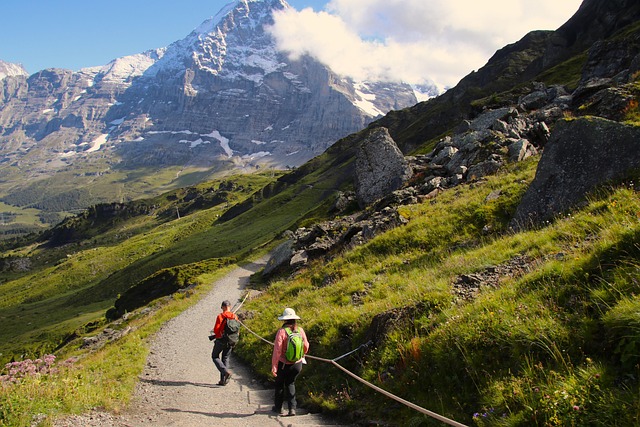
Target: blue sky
[
  {"x": 74, "y": 34},
  {"x": 441, "y": 40}
]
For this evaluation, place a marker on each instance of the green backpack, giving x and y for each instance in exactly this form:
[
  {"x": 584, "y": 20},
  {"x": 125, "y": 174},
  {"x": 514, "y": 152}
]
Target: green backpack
[
  {"x": 295, "y": 346},
  {"x": 231, "y": 333}
]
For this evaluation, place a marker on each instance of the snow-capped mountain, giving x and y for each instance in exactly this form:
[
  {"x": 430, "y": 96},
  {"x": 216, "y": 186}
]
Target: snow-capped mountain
[
  {"x": 8, "y": 69},
  {"x": 222, "y": 95}
]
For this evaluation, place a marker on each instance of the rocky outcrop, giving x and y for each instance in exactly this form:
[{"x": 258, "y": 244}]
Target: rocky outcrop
[
  {"x": 581, "y": 155},
  {"x": 479, "y": 147},
  {"x": 380, "y": 167}
]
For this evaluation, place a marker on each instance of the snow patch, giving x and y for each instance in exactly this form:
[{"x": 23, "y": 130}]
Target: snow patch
[
  {"x": 365, "y": 101},
  {"x": 258, "y": 142},
  {"x": 98, "y": 142},
  {"x": 224, "y": 142},
  {"x": 117, "y": 122}
]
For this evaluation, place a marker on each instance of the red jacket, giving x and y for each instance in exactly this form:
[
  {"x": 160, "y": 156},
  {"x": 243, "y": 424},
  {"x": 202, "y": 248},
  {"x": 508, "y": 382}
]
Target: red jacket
[{"x": 218, "y": 329}]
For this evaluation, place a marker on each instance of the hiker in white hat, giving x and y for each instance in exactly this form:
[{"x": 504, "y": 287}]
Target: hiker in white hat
[{"x": 290, "y": 346}]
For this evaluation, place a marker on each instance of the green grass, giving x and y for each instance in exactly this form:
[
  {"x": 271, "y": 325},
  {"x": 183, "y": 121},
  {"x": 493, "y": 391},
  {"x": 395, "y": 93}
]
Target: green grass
[
  {"x": 69, "y": 192},
  {"x": 102, "y": 379},
  {"x": 69, "y": 286},
  {"x": 555, "y": 345}
]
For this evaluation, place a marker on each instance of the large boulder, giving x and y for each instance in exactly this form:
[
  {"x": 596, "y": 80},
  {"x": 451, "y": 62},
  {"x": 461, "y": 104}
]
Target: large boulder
[
  {"x": 280, "y": 258},
  {"x": 380, "y": 167},
  {"x": 580, "y": 155}
]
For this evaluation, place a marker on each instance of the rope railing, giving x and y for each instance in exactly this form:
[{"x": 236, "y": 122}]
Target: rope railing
[{"x": 367, "y": 383}]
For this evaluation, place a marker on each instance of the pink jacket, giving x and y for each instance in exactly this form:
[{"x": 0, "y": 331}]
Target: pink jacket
[{"x": 280, "y": 348}]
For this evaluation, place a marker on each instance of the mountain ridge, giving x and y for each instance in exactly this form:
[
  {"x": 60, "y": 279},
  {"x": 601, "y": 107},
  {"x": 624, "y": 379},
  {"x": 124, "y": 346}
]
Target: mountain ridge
[{"x": 222, "y": 98}]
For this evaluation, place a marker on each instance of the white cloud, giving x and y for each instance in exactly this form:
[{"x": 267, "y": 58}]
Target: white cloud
[{"x": 413, "y": 40}]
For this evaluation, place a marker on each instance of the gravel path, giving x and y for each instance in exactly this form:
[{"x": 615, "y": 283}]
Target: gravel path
[{"x": 178, "y": 386}]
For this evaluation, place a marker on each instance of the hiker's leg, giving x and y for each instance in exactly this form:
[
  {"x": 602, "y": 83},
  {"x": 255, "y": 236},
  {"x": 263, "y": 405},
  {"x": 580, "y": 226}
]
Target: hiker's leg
[
  {"x": 279, "y": 392},
  {"x": 218, "y": 347},
  {"x": 290, "y": 384},
  {"x": 225, "y": 357}
]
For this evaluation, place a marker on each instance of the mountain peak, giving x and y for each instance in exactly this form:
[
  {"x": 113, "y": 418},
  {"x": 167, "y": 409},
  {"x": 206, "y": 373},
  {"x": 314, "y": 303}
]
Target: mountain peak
[
  {"x": 8, "y": 69},
  {"x": 242, "y": 6}
]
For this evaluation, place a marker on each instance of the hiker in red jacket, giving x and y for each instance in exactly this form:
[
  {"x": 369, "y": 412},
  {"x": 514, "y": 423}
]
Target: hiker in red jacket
[
  {"x": 221, "y": 348},
  {"x": 286, "y": 361}
]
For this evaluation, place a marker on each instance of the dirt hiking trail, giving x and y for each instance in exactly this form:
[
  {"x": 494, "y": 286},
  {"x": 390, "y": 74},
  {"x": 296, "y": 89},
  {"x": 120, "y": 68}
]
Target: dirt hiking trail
[{"x": 179, "y": 384}]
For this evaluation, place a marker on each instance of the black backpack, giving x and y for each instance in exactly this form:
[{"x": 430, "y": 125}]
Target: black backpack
[{"x": 231, "y": 333}]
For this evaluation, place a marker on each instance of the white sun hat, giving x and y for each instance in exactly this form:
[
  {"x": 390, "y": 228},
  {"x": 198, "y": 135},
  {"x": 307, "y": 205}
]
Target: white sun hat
[{"x": 289, "y": 314}]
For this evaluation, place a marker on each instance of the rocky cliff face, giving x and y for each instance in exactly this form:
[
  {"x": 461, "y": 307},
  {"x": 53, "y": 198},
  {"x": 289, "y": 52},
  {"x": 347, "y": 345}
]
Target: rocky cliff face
[{"x": 223, "y": 95}]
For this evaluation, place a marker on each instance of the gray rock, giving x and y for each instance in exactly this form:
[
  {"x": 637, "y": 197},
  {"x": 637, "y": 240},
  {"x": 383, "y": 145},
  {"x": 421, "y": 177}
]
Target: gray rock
[
  {"x": 444, "y": 156},
  {"x": 501, "y": 126},
  {"x": 480, "y": 170},
  {"x": 518, "y": 150},
  {"x": 280, "y": 257},
  {"x": 299, "y": 259},
  {"x": 380, "y": 167},
  {"x": 487, "y": 119},
  {"x": 580, "y": 155},
  {"x": 534, "y": 100},
  {"x": 431, "y": 184}
]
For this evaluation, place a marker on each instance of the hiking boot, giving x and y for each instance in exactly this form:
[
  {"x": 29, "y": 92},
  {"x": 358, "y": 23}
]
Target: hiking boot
[
  {"x": 227, "y": 376},
  {"x": 292, "y": 412},
  {"x": 277, "y": 411}
]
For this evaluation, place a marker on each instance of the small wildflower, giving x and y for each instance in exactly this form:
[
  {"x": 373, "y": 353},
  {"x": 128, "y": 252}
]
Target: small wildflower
[{"x": 576, "y": 408}]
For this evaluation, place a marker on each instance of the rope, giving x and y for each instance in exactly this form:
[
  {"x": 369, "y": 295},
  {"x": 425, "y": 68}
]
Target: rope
[
  {"x": 233, "y": 310},
  {"x": 367, "y": 383}
]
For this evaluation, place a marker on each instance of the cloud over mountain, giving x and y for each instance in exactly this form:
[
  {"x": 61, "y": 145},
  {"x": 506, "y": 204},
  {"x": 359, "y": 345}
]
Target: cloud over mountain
[{"x": 413, "y": 40}]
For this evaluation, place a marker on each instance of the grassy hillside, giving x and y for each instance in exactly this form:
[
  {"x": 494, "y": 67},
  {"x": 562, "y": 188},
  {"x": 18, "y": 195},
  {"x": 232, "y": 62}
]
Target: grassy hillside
[
  {"x": 547, "y": 338},
  {"x": 48, "y": 292},
  {"x": 40, "y": 201}
]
